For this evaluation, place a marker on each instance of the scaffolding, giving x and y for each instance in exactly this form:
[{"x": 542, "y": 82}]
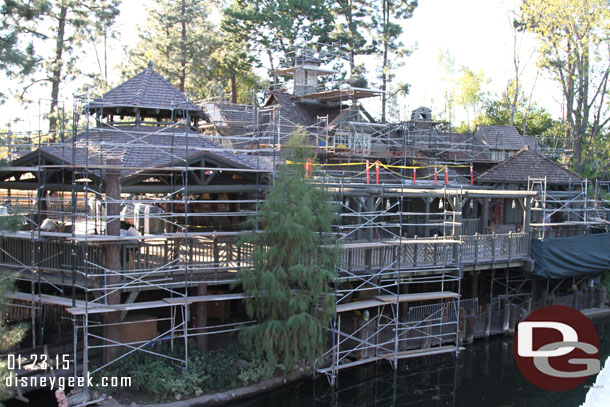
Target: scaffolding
[
  {"x": 577, "y": 209},
  {"x": 401, "y": 191}
]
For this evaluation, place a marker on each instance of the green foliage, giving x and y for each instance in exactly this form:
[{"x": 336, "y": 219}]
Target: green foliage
[
  {"x": 187, "y": 48},
  {"x": 258, "y": 370},
  {"x": 279, "y": 25},
  {"x": 9, "y": 337},
  {"x": 288, "y": 290},
  {"x": 17, "y": 31},
  {"x": 537, "y": 122},
  {"x": 387, "y": 18},
  {"x": 471, "y": 92},
  {"x": 573, "y": 48},
  {"x": 207, "y": 372}
]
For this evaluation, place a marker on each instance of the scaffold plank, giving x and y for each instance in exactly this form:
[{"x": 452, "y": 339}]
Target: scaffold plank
[
  {"x": 434, "y": 295},
  {"x": 352, "y": 306}
]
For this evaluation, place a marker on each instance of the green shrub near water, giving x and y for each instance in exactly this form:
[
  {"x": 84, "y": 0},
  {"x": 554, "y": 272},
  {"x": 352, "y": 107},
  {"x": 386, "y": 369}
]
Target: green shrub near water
[{"x": 207, "y": 372}]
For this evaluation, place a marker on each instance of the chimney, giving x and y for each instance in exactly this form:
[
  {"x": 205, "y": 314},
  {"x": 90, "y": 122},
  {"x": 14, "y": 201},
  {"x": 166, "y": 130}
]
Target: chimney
[{"x": 305, "y": 74}]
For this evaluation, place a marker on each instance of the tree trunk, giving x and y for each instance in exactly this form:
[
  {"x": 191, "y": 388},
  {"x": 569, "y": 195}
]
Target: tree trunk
[
  {"x": 233, "y": 87},
  {"x": 183, "y": 47},
  {"x": 384, "y": 71},
  {"x": 56, "y": 73}
]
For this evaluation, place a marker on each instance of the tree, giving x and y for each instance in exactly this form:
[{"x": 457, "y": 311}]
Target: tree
[
  {"x": 276, "y": 28},
  {"x": 187, "y": 49},
  {"x": 575, "y": 49},
  {"x": 538, "y": 121},
  {"x": 386, "y": 20},
  {"x": 350, "y": 30},
  {"x": 288, "y": 290},
  {"x": 17, "y": 31},
  {"x": 471, "y": 91},
  {"x": 72, "y": 23},
  {"x": 446, "y": 62},
  {"x": 9, "y": 335},
  {"x": 18, "y": 22}
]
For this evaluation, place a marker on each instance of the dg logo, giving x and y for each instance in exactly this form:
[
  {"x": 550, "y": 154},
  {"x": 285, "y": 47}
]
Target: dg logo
[{"x": 556, "y": 348}]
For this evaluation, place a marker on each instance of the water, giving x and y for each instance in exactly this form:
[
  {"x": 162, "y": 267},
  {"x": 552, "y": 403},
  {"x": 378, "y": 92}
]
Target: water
[{"x": 483, "y": 375}]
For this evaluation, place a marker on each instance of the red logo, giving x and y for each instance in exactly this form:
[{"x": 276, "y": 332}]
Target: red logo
[{"x": 556, "y": 348}]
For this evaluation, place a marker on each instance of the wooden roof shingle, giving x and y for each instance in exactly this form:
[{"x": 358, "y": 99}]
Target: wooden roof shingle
[
  {"x": 500, "y": 137},
  {"x": 147, "y": 91},
  {"x": 526, "y": 163}
]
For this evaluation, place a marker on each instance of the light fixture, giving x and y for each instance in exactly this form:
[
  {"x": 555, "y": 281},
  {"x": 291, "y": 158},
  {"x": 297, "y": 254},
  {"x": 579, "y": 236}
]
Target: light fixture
[
  {"x": 514, "y": 204},
  {"x": 471, "y": 204},
  {"x": 440, "y": 203}
]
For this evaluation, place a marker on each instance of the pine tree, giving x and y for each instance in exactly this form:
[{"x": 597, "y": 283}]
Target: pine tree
[
  {"x": 288, "y": 290},
  {"x": 17, "y": 32},
  {"x": 386, "y": 20},
  {"x": 9, "y": 336},
  {"x": 187, "y": 48},
  {"x": 276, "y": 28}
]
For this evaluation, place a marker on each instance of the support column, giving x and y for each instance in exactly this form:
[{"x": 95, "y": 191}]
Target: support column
[
  {"x": 201, "y": 311},
  {"x": 484, "y": 205},
  {"x": 527, "y": 217},
  {"x": 113, "y": 257},
  {"x": 427, "y": 203}
]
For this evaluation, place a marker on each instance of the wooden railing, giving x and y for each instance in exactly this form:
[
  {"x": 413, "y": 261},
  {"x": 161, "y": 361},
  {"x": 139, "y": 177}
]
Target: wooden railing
[
  {"x": 170, "y": 257},
  {"x": 489, "y": 248}
]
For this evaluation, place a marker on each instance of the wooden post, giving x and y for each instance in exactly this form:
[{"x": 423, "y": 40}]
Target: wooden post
[
  {"x": 113, "y": 257},
  {"x": 506, "y": 317},
  {"x": 484, "y": 205},
  {"x": 513, "y": 319},
  {"x": 201, "y": 315},
  {"x": 488, "y": 320},
  {"x": 469, "y": 326},
  {"x": 527, "y": 217},
  {"x": 462, "y": 325}
]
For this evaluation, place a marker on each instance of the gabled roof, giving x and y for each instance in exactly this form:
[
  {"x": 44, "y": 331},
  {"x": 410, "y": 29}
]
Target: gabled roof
[
  {"x": 148, "y": 91},
  {"x": 138, "y": 147},
  {"x": 500, "y": 137},
  {"x": 526, "y": 163}
]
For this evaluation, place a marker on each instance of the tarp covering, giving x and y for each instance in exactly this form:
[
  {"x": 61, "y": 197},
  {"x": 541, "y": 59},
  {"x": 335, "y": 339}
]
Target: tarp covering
[{"x": 571, "y": 256}]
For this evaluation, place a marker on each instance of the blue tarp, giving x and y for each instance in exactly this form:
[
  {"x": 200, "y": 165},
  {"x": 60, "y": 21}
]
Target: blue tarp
[{"x": 571, "y": 256}]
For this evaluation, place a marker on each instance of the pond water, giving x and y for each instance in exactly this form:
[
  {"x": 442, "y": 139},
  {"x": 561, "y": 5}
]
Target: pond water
[{"x": 483, "y": 375}]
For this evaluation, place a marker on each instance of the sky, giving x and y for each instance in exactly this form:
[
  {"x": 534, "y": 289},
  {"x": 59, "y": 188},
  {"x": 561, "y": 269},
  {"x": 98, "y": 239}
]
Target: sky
[{"x": 477, "y": 34}]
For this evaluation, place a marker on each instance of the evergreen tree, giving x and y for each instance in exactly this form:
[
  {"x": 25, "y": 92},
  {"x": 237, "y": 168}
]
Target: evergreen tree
[
  {"x": 288, "y": 290},
  {"x": 9, "y": 336},
  {"x": 71, "y": 24},
  {"x": 275, "y": 28},
  {"x": 187, "y": 49},
  {"x": 351, "y": 27},
  {"x": 386, "y": 21},
  {"x": 17, "y": 31}
]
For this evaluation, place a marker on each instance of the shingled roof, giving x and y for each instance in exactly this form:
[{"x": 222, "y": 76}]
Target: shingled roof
[
  {"x": 139, "y": 147},
  {"x": 526, "y": 163},
  {"x": 147, "y": 91},
  {"x": 500, "y": 137},
  {"x": 294, "y": 113}
]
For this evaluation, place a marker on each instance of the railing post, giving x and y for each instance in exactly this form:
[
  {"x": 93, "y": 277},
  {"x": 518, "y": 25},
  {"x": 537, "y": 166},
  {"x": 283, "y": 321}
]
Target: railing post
[
  {"x": 493, "y": 247},
  {"x": 476, "y": 249}
]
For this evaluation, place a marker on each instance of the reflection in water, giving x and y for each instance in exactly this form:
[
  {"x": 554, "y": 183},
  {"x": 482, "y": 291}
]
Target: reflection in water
[{"x": 483, "y": 375}]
